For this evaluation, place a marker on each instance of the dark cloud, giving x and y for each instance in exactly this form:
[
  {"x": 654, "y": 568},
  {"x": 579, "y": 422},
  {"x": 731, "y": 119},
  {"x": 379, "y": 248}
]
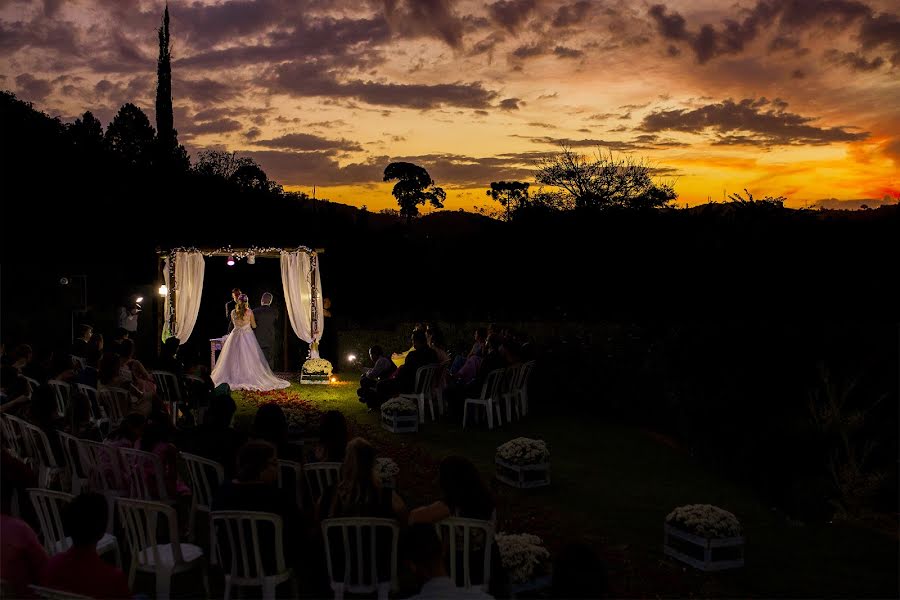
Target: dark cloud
[
  {"x": 510, "y": 14},
  {"x": 487, "y": 45},
  {"x": 563, "y": 52},
  {"x": 31, "y": 88},
  {"x": 883, "y": 30},
  {"x": 748, "y": 122},
  {"x": 252, "y": 133},
  {"x": 571, "y": 14},
  {"x": 529, "y": 51},
  {"x": 425, "y": 18},
  {"x": 307, "y": 142},
  {"x": 205, "y": 91},
  {"x": 305, "y": 79},
  {"x": 853, "y": 60},
  {"x": 543, "y": 125},
  {"x": 510, "y": 104},
  {"x": 731, "y": 36},
  {"x": 209, "y": 127},
  {"x": 619, "y": 146}
]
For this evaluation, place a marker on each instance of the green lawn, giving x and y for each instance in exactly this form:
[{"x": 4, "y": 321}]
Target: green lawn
[{"x": 613, "y": 486}]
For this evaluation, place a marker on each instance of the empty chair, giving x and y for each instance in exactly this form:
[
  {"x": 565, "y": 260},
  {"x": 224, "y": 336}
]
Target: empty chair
[
  {"x": 207, "y": 476},
  {"x": 517, "y": 394},
  {"x": 320, "y": 476},
  {"x": 241, "y": 552},
  {"x": 489, "y": 398},
  {"x": 140, "y": 519},
  {"x": 49, "y": 506},
  {"x": 468, "y": 540},
  {"x": 61, "y": 391},
  {"x": 361, "y": 554},
  {"x": 424, "y": 389}
]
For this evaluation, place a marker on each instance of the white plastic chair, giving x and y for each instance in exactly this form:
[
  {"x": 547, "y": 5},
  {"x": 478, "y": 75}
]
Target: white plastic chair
[
  {"x": 232, "y": 528},
  {"x": 140, "y": 520},
  {"x": 13, "y": 436},
  {"x": 52, "y": 594},
  {"x": 360, "y": 560},
  {"x": 321, "y": 475},
  {"x": 295, "y": 469},
  {"x": 424, "y": 390},
  {"x": 49, "y": 507},
  {"x": 517, "y": 395},
  {"x": 458, "y": 527},
  {"x": 79, "y": 465},
  {"x": 438, "y": 384},
  {"x": 207, "y": 476},
  {"x": 489, "y": 398},
  {"x": 168, "y": 389},
  {"x": 35, "y": 384},
  {"x": 61, "y": 391},
  {"x": 116, "y": 402},
  {"x": 146, "y": 474},
  {"x": 42, "y": 456},
  {"x": 98, "y": 417}
]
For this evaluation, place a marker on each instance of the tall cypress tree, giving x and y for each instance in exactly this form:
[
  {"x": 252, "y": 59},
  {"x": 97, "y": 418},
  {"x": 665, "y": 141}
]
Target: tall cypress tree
[{"x": 165, "y": 121}]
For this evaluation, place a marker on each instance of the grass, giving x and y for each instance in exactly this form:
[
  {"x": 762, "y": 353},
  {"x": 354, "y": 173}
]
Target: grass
[{"x": 613, "y": 486}]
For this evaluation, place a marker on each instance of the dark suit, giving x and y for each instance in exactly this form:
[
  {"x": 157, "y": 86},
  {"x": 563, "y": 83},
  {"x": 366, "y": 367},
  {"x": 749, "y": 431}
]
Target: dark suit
[
  {"x": 266, "y": 316},
  {"x": 229, "y": 306}
]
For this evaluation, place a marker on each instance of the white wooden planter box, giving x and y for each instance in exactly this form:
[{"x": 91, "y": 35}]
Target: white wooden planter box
[
  {"x": 522, "y": 476},
  {"x": 701, "y": 552},
  {"x": 317, "y": 378},
  {"x": 400, "y": 423}
]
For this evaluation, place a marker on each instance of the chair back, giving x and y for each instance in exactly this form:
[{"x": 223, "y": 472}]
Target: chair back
[
  {"x": 40, "y": 449},
  {"x": 357, "y": 544},
  {"x": 51, "y": 594},
  {"x": 78, "y": 361},
  {"x": 77, "y": 460},
  {"x": 107, "y": 469},
  {"x": 167, "y": 385},
  {"x": 35, "y": 384},
  {"x": 457, "y": 530},
  {"x": 207, "y": 476},
  {"x": 61, "y": 391},
  {"x": 14, "y": 438},
  {"x": 321, "y": 475},
  {"x": 491, "y": 387},
  {"x": 424, "y": 376},
  {"x": 237, "y": 535},
  {"x": 49, "y": 506},
  {"x": 145, "y": 470},
  {"x": 91, "y": 393},
  {"x": 291, "y": 472},
  {"x": 140, "y": 520},
  {"x": 114, "y": 401}
]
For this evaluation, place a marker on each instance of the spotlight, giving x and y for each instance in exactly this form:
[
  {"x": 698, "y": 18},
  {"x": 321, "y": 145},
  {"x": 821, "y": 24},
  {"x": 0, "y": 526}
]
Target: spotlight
[
  {"x": 139, "y": 299},
  {"x": 351, "y": 357},
  {"x": 333, "y": 379},
  {"x": 163, "y": 290},
  {"x": 251, "y": 259},
  {"x": 63, "y": 281},
  {"x": 230, "y": 262}
]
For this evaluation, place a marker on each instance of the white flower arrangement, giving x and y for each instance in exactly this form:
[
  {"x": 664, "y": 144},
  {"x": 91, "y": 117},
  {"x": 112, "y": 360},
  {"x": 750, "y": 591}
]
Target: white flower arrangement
[
  {"x": 522, "y": 554},
  {"x": 399, "y": 406},
  {"x": 317, "y": 366},
  {"x": 386, "y": 468},
  {"x": 524, "y": 451},
  {"x": 705, "y": 520}
]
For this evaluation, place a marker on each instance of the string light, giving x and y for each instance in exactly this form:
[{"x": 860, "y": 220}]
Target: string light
[
  {"x": 238, "y": 253},
  {"x": 251, "y": 259}
]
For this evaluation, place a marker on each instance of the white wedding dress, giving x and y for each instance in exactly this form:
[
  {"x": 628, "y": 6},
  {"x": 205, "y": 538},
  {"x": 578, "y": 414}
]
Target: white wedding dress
[{"x": 242, "y": 364}]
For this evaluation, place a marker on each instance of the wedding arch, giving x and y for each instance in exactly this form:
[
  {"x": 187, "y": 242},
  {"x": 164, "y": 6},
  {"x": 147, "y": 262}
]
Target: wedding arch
[{"x": 183, "y": 269}]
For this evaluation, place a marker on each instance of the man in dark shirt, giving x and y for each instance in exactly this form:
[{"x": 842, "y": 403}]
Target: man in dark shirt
[
  {"x": 404, "y": 379},
  {"x": 80, "y": 343}
]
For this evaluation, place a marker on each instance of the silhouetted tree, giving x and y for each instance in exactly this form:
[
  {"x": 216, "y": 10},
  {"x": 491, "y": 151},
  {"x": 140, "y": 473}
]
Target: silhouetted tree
[
  {"x": 749, "y": 200},
  {"x": 412, "y": 188},
  {"x": 509, "y": 193},
  {"x": 219, "y": 163},
  {"x": 172, "y": 156},
  {"x": 131, "y": 137},
  {"x": 250, "y": 177},
  {"x": 87, "y": 133},
  {"x": 604, "y": 181}
]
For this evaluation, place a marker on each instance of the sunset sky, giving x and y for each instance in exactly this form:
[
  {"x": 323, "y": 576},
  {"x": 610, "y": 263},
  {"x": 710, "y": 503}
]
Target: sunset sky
[{"x": 798, "y": 98}]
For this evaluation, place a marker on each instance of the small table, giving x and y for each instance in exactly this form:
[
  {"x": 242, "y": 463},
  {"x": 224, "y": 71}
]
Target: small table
[{"x": 214, "y": 345}]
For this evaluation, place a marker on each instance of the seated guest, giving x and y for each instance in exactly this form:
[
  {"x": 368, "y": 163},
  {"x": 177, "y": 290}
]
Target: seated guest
[
  {"x": 270, "y": 425},
  {"x": 94, "y": 350},
  {"x": 79, "y": 420},
  {"x": 359, "y": 493},
  {"x": 436, "y": 342},
  {"x": 22, "y": 558},
  {"x": 18, "y": 392},
  {"x": 215, "y": 438},
  {"x": 423, "y": 553},
  {"x": 126, "y": 435},
  {"x": 79, "y": 569},
  {"x": 110, "y": 374},
  {"x": 80, "y": 343},
  {"x": 168, "y": 359},
  {"x": 23, "y": 357},
  {"x": 62, "y": 367},
  {"x": 382, "y": 368},
  {"x": 404, "y": 380},
  {"x": 139, "y": 375},
  {"x": 332, "y": 443},
  {"x": 399, "y": 358},
  {"x": 157, "y": 438},
  {"x": 464, "y": 494},
  {"x": 255, "y": 488}
]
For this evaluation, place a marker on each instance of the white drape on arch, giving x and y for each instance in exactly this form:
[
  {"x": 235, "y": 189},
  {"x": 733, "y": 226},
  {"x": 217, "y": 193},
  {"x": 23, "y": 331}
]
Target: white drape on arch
[
  {"x": 189, "y": 270},
  {"x": 296, "y": 279}
]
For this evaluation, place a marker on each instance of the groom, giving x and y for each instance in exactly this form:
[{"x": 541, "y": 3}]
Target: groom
[{"x": 265, "y": 328}]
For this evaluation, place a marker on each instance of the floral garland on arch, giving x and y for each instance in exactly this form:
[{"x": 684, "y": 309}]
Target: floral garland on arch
[
  {"x": 523, "y": 555},
  {"x": 705, "y": 520}
]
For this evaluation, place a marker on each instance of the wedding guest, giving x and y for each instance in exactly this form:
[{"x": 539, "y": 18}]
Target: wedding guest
[
  {"x": 435, "y": 341},
  {"x": 332, "y": 444},
  {"x": 157, "y": 438},
  {"x": 79, "y": 570},
  {"x": 423, "y": 552},
  {"x": 22, "y": 558},
  {"x": 168, "y": 358},
  {"x": 216, "y": 439},
  {"x": 139, "y": 375},
  {"x": 382, "y": 368},
  {"x": 62, "y": 367},
  {"x": 270, "y": 425},
  {"x": 80, "y": 343},
  {"x": 23, "y": 357},
  {"x": 464, "y": 494}
]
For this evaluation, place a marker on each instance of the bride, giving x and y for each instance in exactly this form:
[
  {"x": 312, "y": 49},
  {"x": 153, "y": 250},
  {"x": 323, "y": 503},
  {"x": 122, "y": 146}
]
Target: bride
[{"x": 242, "y": 364}]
